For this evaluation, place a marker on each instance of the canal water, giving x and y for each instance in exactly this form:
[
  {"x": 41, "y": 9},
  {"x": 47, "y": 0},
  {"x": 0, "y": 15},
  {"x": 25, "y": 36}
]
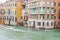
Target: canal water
[{"x": 23, "y": 33}]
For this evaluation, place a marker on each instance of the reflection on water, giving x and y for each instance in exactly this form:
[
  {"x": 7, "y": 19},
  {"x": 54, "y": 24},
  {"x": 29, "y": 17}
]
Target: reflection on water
[{"x": 22, "y": 33}]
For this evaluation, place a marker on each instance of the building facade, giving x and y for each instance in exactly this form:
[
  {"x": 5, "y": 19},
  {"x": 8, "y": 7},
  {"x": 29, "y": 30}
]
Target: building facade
[
  {"x": 1, "y": 14},
  {"x": 25, "y": 13},
  {"x": 41, "y": 13},
  {"x": 12, "y": 11},
  {"x": 57, "y": 13}
]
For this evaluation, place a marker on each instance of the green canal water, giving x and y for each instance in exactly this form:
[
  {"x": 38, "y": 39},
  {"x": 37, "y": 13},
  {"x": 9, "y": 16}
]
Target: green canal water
[{"x": 23, "y": 33}]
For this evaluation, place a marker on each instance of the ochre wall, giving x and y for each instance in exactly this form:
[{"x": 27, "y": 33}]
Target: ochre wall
[{"x": 19, "y": 12}]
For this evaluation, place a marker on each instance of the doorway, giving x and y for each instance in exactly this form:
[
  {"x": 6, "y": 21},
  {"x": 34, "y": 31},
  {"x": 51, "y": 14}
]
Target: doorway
[{"x": 33, "y": 24}]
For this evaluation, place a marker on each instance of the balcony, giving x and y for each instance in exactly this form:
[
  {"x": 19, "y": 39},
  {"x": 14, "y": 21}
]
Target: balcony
[
  {"x": 34, "y": 5},
  {"x": 33, "y": 13},
  {"x": 42, "y": 5}
]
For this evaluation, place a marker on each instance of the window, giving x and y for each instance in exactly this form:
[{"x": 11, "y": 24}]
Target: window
[
  {"x": 47, "y": 23},
  {"x": 59, "y": 11},
  {"x": 34, "y": 10},
  {"x": 54, "y": 17},
  {"x": 26, "y": 0},
  {"x": 54, "y": 10},
  {"x": 15, "y": 19},
  {"x": 48, "y": 10},
  {"x": 54, "y": 23},
  {"x": 7, "y": 17},
  {"x": 23, "y": 6},
  {"x": 42, "y": 3},
  {"x": 12, "y": 18},
  {"x": 34, "y": 3},
  {"x": 30, "y": 22},
  {"x": 54, "y": 3},
  {"x": 58, "y": 23},
  {"x": 48, "y": 16},
  {"x": 43, "y": 16},
  {"x": 43, "y": 23},
  {"x": 39, "y": 23},
  {"x": 59, "y": 3},
  {"x": 51, "y": 23},
  {"x": 9, "y": 5},
  {"x": 42, "y": 10},
  {"x": 15, "y": 4},
  {"x": 35, "y": 16},
  {"x": 59, "y": 17},
  {"x": 15, "y": 12}
]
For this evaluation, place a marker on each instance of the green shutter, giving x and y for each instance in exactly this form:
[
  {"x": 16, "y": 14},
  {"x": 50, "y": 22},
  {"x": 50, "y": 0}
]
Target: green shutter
[
  {"x": 34, "y": 10},
  {"x": 42, "y": 10}
]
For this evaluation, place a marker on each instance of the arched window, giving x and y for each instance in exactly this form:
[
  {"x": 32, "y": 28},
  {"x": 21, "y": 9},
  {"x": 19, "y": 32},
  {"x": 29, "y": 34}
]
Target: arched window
[{"x": 47, "y": 23}]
